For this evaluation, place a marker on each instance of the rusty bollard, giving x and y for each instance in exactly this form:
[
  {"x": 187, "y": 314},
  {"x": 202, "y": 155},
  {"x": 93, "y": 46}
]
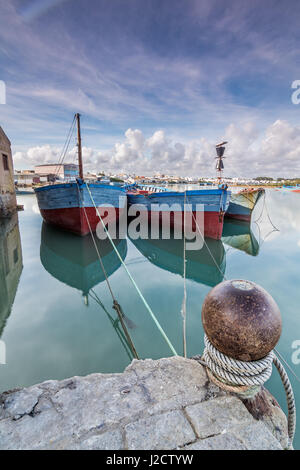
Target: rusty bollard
[
  {"x": 242, "y": 325},
  {"x": 241, "y": 320}
]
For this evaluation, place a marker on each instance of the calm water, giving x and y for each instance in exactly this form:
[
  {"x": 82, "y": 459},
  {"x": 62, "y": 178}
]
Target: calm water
[{"x": 54, "y": 327}]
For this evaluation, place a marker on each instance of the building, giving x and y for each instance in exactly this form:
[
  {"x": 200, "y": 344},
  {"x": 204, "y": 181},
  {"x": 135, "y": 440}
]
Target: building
[
  {"x": 63, "y": 171},
  {"x": 8, "y": 201},
  {"x": 26, "y": 178}
]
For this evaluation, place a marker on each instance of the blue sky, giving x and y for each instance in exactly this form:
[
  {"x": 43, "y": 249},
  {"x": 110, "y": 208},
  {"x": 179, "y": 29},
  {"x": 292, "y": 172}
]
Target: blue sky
[{"x": 175, "y": 75}]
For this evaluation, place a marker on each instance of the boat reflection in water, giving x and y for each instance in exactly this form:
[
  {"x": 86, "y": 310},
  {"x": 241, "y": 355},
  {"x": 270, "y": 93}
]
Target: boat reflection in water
[
  {"x": 206, "y": 266},
  {"x": 238, "y": 235},
  {"x": 11, "y": 265},
  {"x": 74, "y": 260}
]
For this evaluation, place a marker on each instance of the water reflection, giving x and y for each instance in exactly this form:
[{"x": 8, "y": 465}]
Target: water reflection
[
  {"x": 74, "y": 261},
  {"x": 11, "y": 265},
  {"x": 206, "y": 266},
  {"x": 238, "y": 235}
]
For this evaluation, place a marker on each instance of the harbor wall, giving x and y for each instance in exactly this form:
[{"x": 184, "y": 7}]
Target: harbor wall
[{"x": 8, "y": 201}]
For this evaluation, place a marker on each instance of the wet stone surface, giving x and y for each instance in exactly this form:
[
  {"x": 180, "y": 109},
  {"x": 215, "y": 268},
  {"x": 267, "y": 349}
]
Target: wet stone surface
[{"x": 163, "y": 404}]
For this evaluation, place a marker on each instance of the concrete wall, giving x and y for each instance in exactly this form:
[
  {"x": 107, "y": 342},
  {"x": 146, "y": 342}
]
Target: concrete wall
[{"x": 8, "y": 202}]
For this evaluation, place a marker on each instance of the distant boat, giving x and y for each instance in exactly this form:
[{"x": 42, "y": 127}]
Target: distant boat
[
  {"x": 70, "y": 205},
  {"x": 243, "y": 203},
  {"x": 206, "y": 266},
  {"x": 73, "y": 260},
  {"x": 238, "y": 235},
  {"x": 24, "y": 191},
  {"x": 293, "y": 189}
]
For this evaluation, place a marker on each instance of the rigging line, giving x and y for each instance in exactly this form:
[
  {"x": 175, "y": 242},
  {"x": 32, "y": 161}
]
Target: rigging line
[
  {"x": 125, "y": 340},
  {"x": 132, "y": 280},
  {"x": 65, "y": 147},
  {"x": 263, "y": 207},
  {"x": 116, "y": 305}
]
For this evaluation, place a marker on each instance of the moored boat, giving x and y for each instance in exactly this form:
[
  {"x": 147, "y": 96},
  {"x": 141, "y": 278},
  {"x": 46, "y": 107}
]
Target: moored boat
[
  {"x": 212, "y": 202},
  {"x": 242, "y": 204},
  {"x": 293, "y": 189},
  {"x": 72, "y": 206}
]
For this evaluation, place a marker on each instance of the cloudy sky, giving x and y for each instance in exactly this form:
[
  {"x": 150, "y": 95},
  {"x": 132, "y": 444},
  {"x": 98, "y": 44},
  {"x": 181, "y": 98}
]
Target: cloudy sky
[{"x": 158, "y": 83}]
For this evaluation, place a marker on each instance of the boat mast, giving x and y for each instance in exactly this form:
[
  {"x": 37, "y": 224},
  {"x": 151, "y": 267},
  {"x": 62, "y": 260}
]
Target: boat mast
[
  {"x": 77, "y": 115},
  {"x": 220, "y": 149}
]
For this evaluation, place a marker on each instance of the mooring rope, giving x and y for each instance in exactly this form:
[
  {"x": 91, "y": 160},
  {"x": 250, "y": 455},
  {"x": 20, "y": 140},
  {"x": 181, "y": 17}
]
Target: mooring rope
[
  {"x": 204, "y": 241},
  {"x": 115, "y": 325},
  {"x": 183, "y": 305},
  {"x": 116, "y": 306},
  {"x": 131, "y": 278},
  {"x": 246, "y": 378}
]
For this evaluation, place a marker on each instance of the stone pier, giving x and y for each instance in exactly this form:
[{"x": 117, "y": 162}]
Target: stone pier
[{"x": 164, "y": 404}]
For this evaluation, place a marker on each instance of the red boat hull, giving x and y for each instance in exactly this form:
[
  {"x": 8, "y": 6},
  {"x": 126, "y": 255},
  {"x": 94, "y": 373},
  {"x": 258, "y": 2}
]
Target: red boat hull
[
  {"x": 213, "y": 221},
  {"x": 74, "y": 219}
]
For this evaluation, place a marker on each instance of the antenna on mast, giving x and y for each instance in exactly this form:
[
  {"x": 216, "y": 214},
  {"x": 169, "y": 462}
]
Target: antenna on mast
[{"x": 220, "y": 149}]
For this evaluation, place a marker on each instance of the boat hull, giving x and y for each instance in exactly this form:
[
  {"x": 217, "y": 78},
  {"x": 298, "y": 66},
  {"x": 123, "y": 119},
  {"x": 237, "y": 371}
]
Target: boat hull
[
  {"x": 209, "y": 204},
  {"x": 70, "y": 207},
  {"x": 243, "y": 203}
]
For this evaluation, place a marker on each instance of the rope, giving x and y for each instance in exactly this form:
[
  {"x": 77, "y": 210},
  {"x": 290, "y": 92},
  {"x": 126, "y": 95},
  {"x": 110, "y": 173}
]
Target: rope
[
  {"x": 132, "y": 280},
  {"x": 208, "y": 249},
  {"x": 116, "y": 305},
  {"x": 183, "y": 307},
  {"x": 290, "y": 400},
  {"x": 236, "y": 372},
  {"x": 246, "y": 378},
  {"x": 115, "y": 325},
  {"x": 65, "y": 147}
]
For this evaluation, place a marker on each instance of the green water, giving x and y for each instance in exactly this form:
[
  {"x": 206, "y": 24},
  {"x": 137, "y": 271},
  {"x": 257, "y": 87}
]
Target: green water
[{"x": 53, "y": 327}]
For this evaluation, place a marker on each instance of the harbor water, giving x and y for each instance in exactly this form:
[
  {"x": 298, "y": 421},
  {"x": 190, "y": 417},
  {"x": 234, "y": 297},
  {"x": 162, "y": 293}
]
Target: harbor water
[{"x": 56, "y": 315}]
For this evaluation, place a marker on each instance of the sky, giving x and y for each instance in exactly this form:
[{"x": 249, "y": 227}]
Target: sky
[{"x": 157, "y": 83}]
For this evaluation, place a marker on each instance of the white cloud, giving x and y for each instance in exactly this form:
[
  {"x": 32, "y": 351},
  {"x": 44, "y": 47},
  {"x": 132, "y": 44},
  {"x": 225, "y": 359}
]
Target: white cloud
[{"x": 276, "y": 152}]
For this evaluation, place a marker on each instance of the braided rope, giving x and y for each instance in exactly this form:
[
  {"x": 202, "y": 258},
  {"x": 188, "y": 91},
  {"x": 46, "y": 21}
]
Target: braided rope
[
  {"x": 245, "y": 378},
  {"x": 237, "y": 372},
  {"x": 290, "y": 400}
]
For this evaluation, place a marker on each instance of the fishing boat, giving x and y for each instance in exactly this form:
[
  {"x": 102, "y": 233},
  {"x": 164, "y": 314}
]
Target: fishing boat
[
  {"x": 213, "y": 203},
  {"x": 293, "y": 189},
  {"x": 242, "y": 203},
  {"x": 205, "y": 266},
  {"x": 72, "y": 206}
]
